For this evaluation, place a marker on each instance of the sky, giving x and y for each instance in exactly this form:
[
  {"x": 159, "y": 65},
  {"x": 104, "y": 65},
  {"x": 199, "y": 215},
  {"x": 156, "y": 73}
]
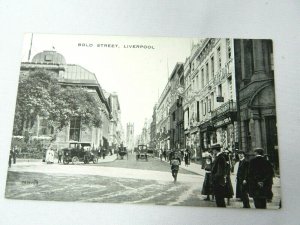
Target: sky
[{"x": 137, "y": 75}]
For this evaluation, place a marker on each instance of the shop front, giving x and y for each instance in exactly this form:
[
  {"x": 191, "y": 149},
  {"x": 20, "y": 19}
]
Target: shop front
[{"x": 225, "y": 131}]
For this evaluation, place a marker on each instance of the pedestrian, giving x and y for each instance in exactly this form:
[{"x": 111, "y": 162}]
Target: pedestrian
[
  {"x": 269, "y": 199},
  {"x": 50, "y": 156},
  {"x": 260, "y": 178},
  {"x": 207, "y": 188},
  {"x": 186, "y": 158},
  {"x": 14, "y": 155},
  {"x": 242, "y": 180},
  {"x": 228, "y": 184},
  {"x": 175, "y": 168},
  {"x": 103, "y": 153},
  {"x": 219, "y": 176},
  {"x": 165, "y": 154},
  {"x": 10, "y": 158},
  {"x": 160, "y": 154},
  {"x": 60, "y": 154}
]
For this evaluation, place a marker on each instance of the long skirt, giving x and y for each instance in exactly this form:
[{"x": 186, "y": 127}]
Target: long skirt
[
  {"x": 228, "y": 188},
  {"x": 207, "y": 188}
]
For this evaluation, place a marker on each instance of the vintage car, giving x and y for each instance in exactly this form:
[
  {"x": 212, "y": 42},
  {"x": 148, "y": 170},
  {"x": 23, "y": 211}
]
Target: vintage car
[
  {"x": 141, "y": 152},
  {"x": 79, "y": 152},
  {"x": 150, "y": 153}
]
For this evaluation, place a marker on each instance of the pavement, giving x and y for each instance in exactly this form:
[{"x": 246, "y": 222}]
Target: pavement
[
  {"x": 235, "y": 203},
  {"x": 108, "y": 158}
]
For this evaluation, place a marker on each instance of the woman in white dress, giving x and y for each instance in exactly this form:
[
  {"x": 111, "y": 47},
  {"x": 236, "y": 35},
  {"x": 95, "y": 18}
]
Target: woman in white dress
[{"x": 50, "y": 156}]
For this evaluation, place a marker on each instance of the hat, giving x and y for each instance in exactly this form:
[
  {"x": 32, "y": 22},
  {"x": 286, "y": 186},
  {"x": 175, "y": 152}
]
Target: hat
[
  {"x": 216, "y": 147},
  {"x": 241, "y": 152},
  {"x": 259, "y": 151}
]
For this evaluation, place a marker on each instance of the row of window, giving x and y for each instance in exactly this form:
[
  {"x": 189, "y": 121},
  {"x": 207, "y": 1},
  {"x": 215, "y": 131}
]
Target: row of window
[{"x": 207, "y": 72}]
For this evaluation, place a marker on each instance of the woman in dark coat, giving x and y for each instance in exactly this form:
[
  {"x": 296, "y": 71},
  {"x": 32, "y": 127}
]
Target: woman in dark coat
[
  {"x": 186, "y": 158},
  {"x": 228, "y": 184},
  {"x": 207, "y": 188}
]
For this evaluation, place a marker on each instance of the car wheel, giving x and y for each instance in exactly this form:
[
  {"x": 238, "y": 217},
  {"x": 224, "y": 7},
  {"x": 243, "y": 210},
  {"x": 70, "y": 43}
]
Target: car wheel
[{"x": 75, "y": 160}]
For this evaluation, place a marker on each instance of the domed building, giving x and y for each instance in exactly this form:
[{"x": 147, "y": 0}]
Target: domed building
[
  {"x": 71, "y": 75},
  {"x": 49, "y": 57}
]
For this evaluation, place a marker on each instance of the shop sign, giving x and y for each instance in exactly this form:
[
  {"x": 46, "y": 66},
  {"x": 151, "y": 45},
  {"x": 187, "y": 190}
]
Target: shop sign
[{"x": 222, "y": 122}]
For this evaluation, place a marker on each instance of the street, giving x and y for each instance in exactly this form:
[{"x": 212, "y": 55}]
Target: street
[{"x": 119, "y": 181}]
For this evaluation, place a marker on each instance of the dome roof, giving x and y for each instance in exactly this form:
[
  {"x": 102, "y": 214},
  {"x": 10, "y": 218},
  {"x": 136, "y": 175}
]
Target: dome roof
[{"x": 51, "y": 57}]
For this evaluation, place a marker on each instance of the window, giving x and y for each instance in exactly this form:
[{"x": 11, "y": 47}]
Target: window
[
  {"x": 48, "y": 58},
  {"x": 202, "y": 77},
  {"x": 75, "y": 129},
  {"x": 219, "y": 57},
  {"x": 203, "y": 103},
  {"x": 229, "y": 85},
  {"x": 207, "y": 104},
  {"x": 198, "y": 113},
  {"x": 207, "y": 73},
  {"x": 228, "y": 48},
  {"x": 212, "y": 66},
  {"x": 220, "y": 90},
  {"x": 197, "y": 82},
  {"x": 212, "y": 100}
]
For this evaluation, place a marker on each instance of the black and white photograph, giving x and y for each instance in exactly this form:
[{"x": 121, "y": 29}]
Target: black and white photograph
[{"x": 146, "y": 120}]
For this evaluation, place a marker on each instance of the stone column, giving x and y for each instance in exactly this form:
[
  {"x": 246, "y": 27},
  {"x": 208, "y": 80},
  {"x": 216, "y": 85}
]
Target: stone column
[
  {"x": 242, "y": 61},
  {"x": 258, "y": 61},
  {"x": 243, "y": 137},
  {"x": 257, "y": 131}
]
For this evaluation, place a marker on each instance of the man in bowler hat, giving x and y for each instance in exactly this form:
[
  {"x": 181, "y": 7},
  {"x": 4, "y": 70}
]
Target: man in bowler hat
[
  {"x": 260, "y": 178},
  {"x": 242, "y": 180},
  {"x": 219, "y": 176}
]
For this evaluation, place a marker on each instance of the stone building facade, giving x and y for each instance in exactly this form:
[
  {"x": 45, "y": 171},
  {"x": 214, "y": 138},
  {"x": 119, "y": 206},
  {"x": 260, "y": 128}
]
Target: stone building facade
[
  {"x": 176, "y": 110},
  {"x": 163, "y": 119},
  {"x": 130, "y": 144},
  {"x": 153, "y": 141},
  {"x": 256, "y": 96},
  {"x": 71, "y": 75},
  {"x": 210, "y": 97}
]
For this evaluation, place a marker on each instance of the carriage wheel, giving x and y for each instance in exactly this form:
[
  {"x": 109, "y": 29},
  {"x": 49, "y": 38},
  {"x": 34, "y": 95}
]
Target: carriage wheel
[
  {"x": 75, "y": 160},
  {"x": 65, "y": 162}
]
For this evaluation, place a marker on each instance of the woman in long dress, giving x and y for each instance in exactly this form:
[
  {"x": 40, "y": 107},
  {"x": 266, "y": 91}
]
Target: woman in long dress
[
  {"x": 207, "y": 188},
  {"x": 50, "y": 156},
  {"x": 228, "y": 185}
]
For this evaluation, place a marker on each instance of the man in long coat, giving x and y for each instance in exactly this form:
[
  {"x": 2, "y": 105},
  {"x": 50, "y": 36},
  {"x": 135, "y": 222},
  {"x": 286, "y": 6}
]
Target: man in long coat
[
  {"x": 242, "y": 180},
  {"x": 260, "y": 179},
  {"x": 219, "y": 177}
]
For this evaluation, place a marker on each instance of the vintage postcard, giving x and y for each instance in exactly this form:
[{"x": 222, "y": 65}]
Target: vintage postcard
[{"x": 146, "y": 120}]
